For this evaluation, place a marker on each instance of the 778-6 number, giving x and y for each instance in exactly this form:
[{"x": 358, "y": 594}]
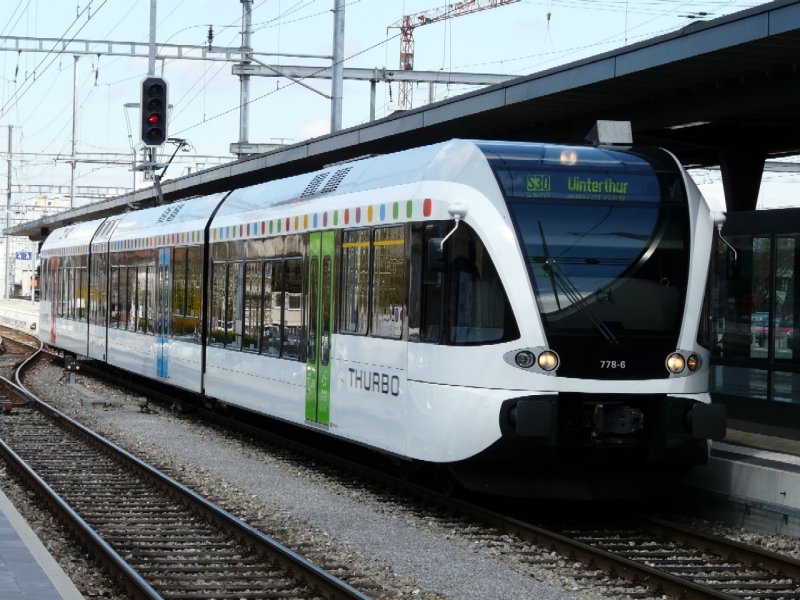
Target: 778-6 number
[{"x": 612, "y": 364}]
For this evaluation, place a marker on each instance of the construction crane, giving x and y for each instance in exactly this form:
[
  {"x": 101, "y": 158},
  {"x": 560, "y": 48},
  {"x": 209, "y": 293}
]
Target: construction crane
[{"x": 408, "y": 23}]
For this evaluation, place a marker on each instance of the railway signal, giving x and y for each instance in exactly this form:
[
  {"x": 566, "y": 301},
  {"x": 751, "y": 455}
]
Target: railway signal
[{"x": 154, "y": 111}]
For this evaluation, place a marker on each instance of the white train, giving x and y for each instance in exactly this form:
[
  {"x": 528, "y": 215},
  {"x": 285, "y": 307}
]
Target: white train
[{"x": 526, "y": 315}]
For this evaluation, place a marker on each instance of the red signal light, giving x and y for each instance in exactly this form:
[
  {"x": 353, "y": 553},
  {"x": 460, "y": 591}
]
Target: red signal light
[{"x": 154, "y": 119}]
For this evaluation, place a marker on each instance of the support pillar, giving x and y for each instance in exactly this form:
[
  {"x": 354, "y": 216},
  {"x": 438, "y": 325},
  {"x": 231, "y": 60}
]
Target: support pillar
[{"x": 741, "y": 178}]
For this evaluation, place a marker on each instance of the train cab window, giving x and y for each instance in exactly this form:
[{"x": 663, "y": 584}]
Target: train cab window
[
  {"x": 252, "y": 305},
  {"x": 292, "y": 309},
  {"x": 389, "y": 283},
  {"x": 353, "y": 316}
]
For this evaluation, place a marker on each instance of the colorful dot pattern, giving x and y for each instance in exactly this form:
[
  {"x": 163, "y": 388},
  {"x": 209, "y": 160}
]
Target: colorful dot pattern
[{"x": 373, "y": 214}]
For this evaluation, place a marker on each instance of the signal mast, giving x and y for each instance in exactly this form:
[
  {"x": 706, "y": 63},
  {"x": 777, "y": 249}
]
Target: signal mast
[{"x": 408, "y": 23}]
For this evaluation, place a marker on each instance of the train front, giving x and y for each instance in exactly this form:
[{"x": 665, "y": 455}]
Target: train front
[{"x": 616, "y": 245}]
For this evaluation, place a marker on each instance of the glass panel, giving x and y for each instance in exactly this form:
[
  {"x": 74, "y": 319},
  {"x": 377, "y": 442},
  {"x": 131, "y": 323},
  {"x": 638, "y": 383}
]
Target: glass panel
[
  {"x": 477, "y": 309},
  {"x": 194, "y": 285},
  {"x": 786, "y": 387},
  {"x": 741, "y": 323},
  {"x": 83, "y": 293},
  {"x": 141, "y": 299},
  {"x": 389, "y": 283},
  {"x": 787, "y": 300},
  {"x": 293, "y": 313},
  {"x": 133, "y": 299},
  {"x": 151, "y": 299},
  {"x": 179, "y": 292},
  {"x": 355, "y": 281},
  {"x": 233, "y": 308},
  {"x": 313, "y": 290},
  {"x": 271, "y": 342},
  {"x": 115, "y": 298},
  {"x": 739, "y": 381},
  {"x": 252, "y": 305},
  {"x": 71, "y": 294},
  {"x": 431, "y": 314},
  {"x": 325, "y": 326},
  {"x": 218, "y": 285}
]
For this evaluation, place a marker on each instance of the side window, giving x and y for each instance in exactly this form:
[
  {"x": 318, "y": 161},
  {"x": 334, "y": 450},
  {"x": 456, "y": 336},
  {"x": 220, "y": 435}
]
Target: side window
[
  {"x": 124, "y": 308},
  {"x": 353, "y": 317},
  {"x": 432, "y": 289},
  {"x": 218, "y": 287},
  {"x": 233, "y": 308},
  {"x": 478, "y": 311},
  {"x": 273, "y": 286},
  {"x": 141, "y": 299},
  {"x": 389, "y": 283},
  {"x": 115, "y": 298},
  {"x": 133, "y": 299},
  {"x": 179, "y": 292},
  {"x": 292, "y": 309},
  {"x": 151, "y": 300},
  {"x": 194, "y": 283},
  {"x": 252, "y": 305}
]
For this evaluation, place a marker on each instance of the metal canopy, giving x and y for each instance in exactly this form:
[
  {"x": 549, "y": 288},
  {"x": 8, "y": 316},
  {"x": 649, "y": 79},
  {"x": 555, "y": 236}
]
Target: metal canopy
[{"x": 708, "y": 92}]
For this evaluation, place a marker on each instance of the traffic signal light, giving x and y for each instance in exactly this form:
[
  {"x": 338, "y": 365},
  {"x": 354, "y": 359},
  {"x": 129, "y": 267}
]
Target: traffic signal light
[{"x": 154, "y": 111}]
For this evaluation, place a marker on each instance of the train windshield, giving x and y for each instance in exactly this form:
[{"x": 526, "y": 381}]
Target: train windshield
[{"x": 605, "y": 237}]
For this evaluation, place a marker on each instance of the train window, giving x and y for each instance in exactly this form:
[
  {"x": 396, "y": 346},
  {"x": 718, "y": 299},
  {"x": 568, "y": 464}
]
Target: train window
[
  {"x": 178, "y": 292},
  {"x": 292, "y": 309},
  {"x": 218, "y": 286},
  {"x": 252, "y": 305},
  {"x": 271, "y": 339},
  {"x": 141, "y": 299},
  {"x": 115, "y": 298},
  {"x": 123, "y": 297},
  {"x": 233, "y": 308},
  {"x": 83, "y": 291},
  {"x": 194, "y": 285},
  {"x": 353, "y": 317},
  {"x": 71, "y": 293},
  {"x": 133, "y": 299},
  {"x": 432, "y": 290},
  {"x": 389, "y": 283},
  {"x": 325, "y": 326},
  {"x": 477, "y": 309},
  {"x": 313, "y": 274},
  {"x": 97, "y": 296}
]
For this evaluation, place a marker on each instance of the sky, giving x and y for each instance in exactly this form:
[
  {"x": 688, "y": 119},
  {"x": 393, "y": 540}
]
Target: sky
[{"x": 36, "y": 88}]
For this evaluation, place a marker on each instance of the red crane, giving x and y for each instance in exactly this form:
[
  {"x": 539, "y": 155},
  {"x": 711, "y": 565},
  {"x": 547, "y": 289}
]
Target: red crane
[{"x": 408, "y": 23}]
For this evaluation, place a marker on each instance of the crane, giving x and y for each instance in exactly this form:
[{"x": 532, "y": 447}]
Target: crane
[{"x": 408, "y": 23}]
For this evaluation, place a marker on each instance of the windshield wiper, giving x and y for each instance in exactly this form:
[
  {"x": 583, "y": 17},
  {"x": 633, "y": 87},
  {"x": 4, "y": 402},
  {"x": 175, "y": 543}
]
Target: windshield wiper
[{"x": 573, "y": 294}]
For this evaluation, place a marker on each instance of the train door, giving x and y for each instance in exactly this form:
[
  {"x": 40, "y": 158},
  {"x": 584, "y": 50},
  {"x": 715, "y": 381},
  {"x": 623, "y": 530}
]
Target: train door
[
  {"x": 162, "y": 312},
  {"x": 320, "y": 327}
]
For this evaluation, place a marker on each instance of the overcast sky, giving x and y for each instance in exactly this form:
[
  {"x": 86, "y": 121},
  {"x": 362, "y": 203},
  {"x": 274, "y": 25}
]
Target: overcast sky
[{"x": 36, "y": 89}]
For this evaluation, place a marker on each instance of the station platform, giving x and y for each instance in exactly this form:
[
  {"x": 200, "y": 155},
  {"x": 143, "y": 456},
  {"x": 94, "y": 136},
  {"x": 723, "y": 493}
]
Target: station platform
[
  {"x": 27, "y": 570},
  {"x": 19, "y": 314}
]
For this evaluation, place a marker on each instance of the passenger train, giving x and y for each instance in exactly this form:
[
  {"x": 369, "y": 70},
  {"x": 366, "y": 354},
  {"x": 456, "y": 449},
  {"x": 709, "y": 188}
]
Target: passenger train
[{"x": 526, "y": 316}]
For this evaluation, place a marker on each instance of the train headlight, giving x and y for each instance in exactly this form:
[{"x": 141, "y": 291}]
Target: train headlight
[
  {"x": 525, "y": 359},
  {"x": 693, "y": 362},
  {"x": 675, "y": 363},
  {"x": 548, "y": 360}
]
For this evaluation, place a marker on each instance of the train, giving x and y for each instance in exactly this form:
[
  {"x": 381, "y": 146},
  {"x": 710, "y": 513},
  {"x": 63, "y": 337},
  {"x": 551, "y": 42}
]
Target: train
[{"x": 526, "y": 317}]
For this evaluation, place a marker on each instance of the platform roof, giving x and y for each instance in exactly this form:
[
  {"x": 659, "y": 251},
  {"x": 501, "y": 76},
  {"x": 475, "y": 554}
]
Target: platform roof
[{"x": 726, "y": 85}]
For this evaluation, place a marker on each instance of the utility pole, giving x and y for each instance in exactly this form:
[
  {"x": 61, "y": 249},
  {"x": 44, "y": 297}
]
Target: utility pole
[
  {"x": 149, "y": 153},
  {"x": 73, "y": 161},
  {"x": 8, "y": 212},
  {"x": 337, "y": 81},
  {"x": 244, "y": 80}
]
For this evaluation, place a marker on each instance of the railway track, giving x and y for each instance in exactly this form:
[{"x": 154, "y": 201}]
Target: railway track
[
  {"x": 160, "y": 539},
  {"x": 649, "y": 553},
  {"x": 654, "y": 557}
]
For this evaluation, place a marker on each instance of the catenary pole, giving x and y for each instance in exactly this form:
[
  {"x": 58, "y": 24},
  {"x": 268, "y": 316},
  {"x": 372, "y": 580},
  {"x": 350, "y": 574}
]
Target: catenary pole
[{"x": 337, "y": 81}]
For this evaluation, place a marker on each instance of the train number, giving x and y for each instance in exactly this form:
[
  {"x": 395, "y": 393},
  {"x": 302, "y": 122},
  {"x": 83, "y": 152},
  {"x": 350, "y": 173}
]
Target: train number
[{"x": 612, "y": 364}]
